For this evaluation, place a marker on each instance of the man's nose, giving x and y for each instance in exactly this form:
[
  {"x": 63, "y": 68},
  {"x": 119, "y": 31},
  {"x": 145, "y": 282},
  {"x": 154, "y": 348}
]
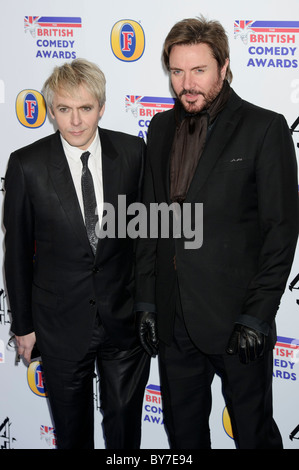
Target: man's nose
[
  {"x": 187, "y": 81},
  {"x": 76, "y": 117}
]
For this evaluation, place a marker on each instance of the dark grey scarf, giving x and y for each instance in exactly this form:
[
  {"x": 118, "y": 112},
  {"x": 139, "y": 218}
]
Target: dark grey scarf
[{"x": 189, "y": 142}]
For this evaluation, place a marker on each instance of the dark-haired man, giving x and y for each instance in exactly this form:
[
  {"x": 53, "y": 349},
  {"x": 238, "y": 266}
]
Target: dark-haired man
[{"x": 214, "y": 307}]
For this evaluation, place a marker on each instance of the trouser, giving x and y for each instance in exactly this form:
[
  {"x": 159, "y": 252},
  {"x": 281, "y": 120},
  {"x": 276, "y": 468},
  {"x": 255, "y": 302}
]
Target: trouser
[
  {"x": 123, "y": 377},
  {"x": 186, "y": 377}
]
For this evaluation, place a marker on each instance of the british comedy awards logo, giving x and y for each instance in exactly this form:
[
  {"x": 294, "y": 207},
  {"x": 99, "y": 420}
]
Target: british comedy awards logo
[
  {"x": 270, "y": 44},
  {"x": 143, "y": 108},
  {"x": 54, "y": 36},
  {"x": 286, "y": 358},
  {"x": 152, "y": 405}
]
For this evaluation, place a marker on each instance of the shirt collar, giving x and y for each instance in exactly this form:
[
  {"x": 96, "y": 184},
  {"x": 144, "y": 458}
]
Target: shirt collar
[{"x": 75, "y": 153}]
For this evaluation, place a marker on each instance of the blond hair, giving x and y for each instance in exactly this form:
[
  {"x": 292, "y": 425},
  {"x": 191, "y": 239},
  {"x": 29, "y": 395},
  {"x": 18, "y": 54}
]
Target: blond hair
[{"x": 71, "y": 75}]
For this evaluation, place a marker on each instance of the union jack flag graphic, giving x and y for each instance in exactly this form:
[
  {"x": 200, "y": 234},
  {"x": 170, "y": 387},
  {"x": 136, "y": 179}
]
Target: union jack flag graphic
[
  {"x": 48, "y": 433},
  {"x": 132, "y": 99},
  {"x": 133, "y": 102},
  {"x": 243, "y": 27},
  {"x": 32, "y": 22},
  {"x": 53, "y": 21}
]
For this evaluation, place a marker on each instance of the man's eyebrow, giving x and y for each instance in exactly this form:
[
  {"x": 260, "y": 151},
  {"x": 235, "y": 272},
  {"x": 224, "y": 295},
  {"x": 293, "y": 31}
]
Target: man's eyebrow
[
  {"x": 85, "y": 105},
  {"x": 203, "y": 66},
  {"x": 193, "y": 68}
]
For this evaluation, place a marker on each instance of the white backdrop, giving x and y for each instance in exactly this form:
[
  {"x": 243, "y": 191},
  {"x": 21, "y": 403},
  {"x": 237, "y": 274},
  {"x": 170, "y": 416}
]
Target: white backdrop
[{"x": 264, "y": 43}]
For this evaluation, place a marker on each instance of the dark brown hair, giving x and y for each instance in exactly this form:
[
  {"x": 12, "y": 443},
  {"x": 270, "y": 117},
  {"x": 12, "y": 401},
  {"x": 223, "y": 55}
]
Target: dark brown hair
[{"x": 199, "y": 30}]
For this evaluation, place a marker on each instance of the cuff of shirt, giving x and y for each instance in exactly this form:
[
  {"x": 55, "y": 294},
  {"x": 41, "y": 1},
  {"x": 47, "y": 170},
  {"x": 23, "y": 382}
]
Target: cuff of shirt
[
  {"x": 144, "y": 307},
  {"x": 252, "y": 322}
]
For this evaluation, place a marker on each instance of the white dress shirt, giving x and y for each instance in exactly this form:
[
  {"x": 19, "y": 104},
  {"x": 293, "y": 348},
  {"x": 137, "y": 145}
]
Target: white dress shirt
[{"x": 73, "y": 155}]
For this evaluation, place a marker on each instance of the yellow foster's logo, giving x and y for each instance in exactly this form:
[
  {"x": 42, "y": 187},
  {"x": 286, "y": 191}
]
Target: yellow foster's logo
[
  {"x": 127, "y": 40},
  {"x": 31, "y": 108}
]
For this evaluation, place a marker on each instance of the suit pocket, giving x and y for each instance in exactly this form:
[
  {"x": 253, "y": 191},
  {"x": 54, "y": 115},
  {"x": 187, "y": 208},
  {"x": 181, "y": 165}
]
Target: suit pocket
[
  {"x": 233, "y": 164},
  {"x": 44, "y": 297}
]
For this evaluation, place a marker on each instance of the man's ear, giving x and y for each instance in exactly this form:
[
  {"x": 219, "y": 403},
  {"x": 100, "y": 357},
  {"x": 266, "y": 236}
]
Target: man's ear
[
  {"x": 102, "y": 110},
  {"x": 224, "y": 68},
  {"x": 51, "y": 113}
]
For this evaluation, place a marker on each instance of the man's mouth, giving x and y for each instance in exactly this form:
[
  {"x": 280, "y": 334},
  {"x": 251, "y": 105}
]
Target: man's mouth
[
  {"x": 76, "y": 133},
  {"x": 190, "y": 93}
]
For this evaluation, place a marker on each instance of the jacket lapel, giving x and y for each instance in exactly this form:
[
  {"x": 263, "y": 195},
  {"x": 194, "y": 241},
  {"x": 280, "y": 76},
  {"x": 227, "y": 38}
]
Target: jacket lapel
[
  {"x": 110, "y": 176},
  {"x": 221, "y": 135},
  {"x": 110, "y": 168},
  {"x": 161, "y": 154},
  {"x": 63, "y": 183}
]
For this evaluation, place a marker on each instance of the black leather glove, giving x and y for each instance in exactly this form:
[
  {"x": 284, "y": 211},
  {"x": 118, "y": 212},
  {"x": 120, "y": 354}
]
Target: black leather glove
[
  {"x": 248, "y": 343},
  {"x": 147, "y": 331}
]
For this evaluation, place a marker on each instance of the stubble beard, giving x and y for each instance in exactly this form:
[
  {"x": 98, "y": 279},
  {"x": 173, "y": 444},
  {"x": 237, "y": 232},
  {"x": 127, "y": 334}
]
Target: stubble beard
[{"x": 208, "y": 98}]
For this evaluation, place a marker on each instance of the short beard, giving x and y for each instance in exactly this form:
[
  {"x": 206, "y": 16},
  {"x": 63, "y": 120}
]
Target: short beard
[{"x": 208, "y": 98}]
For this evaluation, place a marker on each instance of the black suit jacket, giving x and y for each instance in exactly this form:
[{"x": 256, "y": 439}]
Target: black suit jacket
[
  {"x": 55, "y": 284},
  {"x": 246, "y": 180}
]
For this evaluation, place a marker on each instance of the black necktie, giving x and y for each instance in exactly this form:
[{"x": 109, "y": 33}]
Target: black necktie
[{"x": 89, "y": 202}]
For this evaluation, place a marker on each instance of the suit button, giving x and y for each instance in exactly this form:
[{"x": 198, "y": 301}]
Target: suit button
[
  {"x": 92, "y": 302},
  {"x": 97, "y": 269}
]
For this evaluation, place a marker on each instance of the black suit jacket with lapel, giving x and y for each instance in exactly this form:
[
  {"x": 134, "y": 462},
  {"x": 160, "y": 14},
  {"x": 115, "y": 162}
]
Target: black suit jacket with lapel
[
  {"x": 246, "y": 180},
  {"x": 55, "y": 284}
]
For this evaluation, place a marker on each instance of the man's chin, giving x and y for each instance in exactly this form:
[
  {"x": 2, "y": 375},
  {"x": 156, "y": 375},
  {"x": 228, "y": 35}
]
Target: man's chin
[{"x": 193, "y": 108}]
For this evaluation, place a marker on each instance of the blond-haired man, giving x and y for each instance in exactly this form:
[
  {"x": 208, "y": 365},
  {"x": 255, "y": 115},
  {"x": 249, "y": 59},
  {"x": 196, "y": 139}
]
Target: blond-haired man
[{"x": 69, "y": 293}]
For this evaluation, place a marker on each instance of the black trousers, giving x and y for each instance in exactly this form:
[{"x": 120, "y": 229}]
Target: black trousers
[
  {"x": 123, "y": 377},
  {"x": 186, "y": 376}
]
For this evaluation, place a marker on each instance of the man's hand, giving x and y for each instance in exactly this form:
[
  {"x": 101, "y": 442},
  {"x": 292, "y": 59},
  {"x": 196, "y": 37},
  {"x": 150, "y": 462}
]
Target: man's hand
[
  {"x": 147, "y": 331},
  {"x": 248, "y": 343},
  {"x": 25, "y": 345}
]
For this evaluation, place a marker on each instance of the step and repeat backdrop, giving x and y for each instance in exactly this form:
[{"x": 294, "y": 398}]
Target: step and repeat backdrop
[{"x": 37, "y": 35}]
